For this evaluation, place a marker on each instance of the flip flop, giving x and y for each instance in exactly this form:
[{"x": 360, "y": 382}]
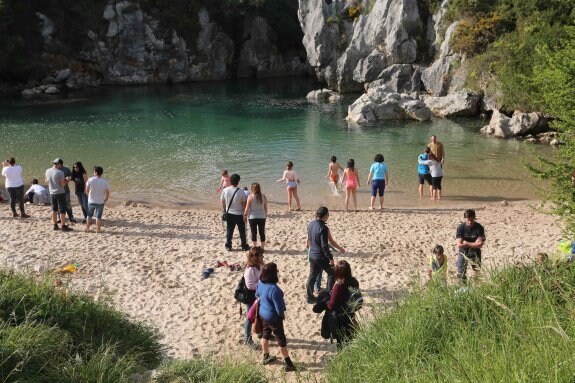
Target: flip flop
[{"x": 207, "y": 272}]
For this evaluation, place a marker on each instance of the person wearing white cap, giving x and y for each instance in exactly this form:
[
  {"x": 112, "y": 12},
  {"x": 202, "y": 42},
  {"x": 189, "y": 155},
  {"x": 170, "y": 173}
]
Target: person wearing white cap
[{"x": 56, "y": 181}]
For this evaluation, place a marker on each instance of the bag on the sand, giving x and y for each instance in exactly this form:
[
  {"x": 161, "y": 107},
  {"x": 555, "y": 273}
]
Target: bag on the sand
[{"x": 242, "y": 294}]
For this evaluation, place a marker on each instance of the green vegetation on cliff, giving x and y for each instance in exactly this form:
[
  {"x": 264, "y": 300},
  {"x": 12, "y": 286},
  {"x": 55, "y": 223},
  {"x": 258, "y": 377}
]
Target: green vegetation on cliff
[{"x": 517, "y": 327}]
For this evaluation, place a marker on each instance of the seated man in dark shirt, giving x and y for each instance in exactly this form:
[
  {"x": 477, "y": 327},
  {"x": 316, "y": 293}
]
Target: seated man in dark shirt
[{"x": 470, "y": 237}]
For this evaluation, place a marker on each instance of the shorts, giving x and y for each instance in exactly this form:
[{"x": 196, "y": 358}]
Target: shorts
[
  {"x": 335, "y": 177},
  {"x": 95, "y": 207},
  {"x": 423, "y": 178},
  {"x": 275, "y": 328},
  {"x": 292, "y": 184},
  {"x": 436, "y": 183},
  {"x": 377, "y": 186},
  {"x": 58, "y": 202}
]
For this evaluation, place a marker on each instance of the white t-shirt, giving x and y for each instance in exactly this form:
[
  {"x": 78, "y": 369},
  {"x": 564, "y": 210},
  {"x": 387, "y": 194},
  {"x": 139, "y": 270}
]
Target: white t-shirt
[
  {"x": 13, "y": 176},
  {"x": 37, "y": 189},
  {"x": 97, "y": 189},
  {"x": 239, "y": 202}
]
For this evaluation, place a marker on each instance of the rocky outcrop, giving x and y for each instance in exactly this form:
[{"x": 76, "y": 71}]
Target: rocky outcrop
[
  {"x": 323, "y": 95},
  {"x": 380, "y": 104},
  {"x": 460, "y": 104},
  {"x": 346, "y": 53},
  {"x": 519, "y": 124},
  {"x": 399, "y": 78}
]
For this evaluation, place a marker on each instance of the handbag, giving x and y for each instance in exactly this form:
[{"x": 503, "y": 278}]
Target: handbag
[
  {"x": 225, "y": 213},
  {"x": 253, "y": 311},
  {"x": 257, "y": 326}
]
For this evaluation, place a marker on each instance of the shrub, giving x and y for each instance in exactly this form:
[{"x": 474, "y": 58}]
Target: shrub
[{"x": 473, "y": 37}]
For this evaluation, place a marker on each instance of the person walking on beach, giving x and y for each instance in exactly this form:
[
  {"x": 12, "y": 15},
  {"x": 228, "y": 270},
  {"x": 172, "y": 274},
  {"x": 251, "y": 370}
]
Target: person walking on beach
[
  {"x": 423, "y": 173},
  {"x": 256, "y": 212},
  {"x": 80, "y": 177},
  {"x": 378, "y": 178},
  {"x": 437, "y": 149},
  {"x": 233, "y": 200},
  {"x": 56, "y": 181},
  {"x": 224, "y": 181},
  {"x": 252, "y": 272},
  {"x": 470, "y": 238},
  {"x": 320, "y": 256},
  {"x": 98, "y": 191},
  {"x": 351, "y": 181},
  {"x": 68, "y": 175},
  {"x": 14, "y": 186},
  {"x": 333, "y": 174},
  {"x": 436, "y": 175},
  {"x": 291, "y": 179},
  {"x": 272, "y": 309}
]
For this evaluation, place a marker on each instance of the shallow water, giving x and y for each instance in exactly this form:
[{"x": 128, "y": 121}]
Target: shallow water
[{"x": 167, "y": 145}]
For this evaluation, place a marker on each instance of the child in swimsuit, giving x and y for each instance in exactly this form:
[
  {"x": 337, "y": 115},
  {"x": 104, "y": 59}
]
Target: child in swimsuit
[
  {"x": 224, "y": 181},
  {"x": 292, "y": 181},
  {"x": 351, "y": 180},
  {"x": 333, "y": 173}
]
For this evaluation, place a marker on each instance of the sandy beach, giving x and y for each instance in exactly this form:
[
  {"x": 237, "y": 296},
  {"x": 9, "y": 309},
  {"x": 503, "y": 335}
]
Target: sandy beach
[{"x": 147, "y": 262}]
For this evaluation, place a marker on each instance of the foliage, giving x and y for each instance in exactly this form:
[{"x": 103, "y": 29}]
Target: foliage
[
  {"x": 516, "y": 327},
  {"x": 473, "y": 37},
  {"x": 554, "y": 78},
  {"x": 46, "y": 334},
  {"x": 205, "y": 370}
]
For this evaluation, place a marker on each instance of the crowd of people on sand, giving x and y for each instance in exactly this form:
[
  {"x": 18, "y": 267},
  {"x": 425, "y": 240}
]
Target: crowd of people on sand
[
  {"x": 91, "y": 192},
  {"x": 261, "y": 278}
]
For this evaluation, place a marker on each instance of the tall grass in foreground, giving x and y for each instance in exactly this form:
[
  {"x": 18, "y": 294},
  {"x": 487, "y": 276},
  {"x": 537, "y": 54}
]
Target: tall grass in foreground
[
  {"x": 204, "y": 370},
  {"x": 49, "y": 336},
  {"x": 517, "y": 327}
]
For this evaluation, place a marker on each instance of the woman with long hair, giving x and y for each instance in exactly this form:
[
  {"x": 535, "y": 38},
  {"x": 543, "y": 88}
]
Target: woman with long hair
[
  {"x": 256, "y": 212},
  {"x": 292, "y": 181},
  {"x": 271, "y": 310},
  {"x": 339, "y": 301},
  {"x": 351, "y": 180},
  {"x": 80, "y": 177},
  {"x": 252, "y": 272}
]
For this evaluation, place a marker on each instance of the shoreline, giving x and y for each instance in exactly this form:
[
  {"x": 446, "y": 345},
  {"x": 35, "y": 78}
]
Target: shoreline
[{"x": 147, "y": 262}]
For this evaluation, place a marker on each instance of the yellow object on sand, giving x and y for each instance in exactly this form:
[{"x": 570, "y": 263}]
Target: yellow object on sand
[{"x": 71, "y": 268}]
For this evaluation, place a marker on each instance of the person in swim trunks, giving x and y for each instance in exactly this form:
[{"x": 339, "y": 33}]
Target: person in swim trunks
[
  {"x": 292, "y": 181},
  {"x": 379, "y": 179},
  {"x": 351, "y": 180},
  {"x": 333, "y": 174}
]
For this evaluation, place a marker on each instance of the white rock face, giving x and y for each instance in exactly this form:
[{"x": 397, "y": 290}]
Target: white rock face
[
  {"x": 353, "y": 52},
  {"x": 323, "y": 95},
  {"x": 460, "y": 104},
  {"x": 379, "y": 104},
  {"x": 520, "y": 124}
]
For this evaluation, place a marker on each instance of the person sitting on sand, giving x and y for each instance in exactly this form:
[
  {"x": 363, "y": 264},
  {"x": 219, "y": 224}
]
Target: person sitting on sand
[
  {"x": 339, "y": 302},
  {"x": 37, "y": 194},
  {"x": 252, "y": 272},
  {"x": 438, "y": 265},
  {"x": 98, "y": 191},
  {"x": 224, "y": 181},
  {"x": 272, "y": 309},
  {"x": 351, "y": 180},
  {"x": 291, "y": 179},
  {"x": 333, "y": 174}
]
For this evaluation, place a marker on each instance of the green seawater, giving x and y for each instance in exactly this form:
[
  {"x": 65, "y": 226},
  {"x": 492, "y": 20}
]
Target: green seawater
[{"x": 166, "y": 145}]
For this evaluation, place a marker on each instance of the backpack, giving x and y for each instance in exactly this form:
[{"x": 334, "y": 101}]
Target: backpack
[
  {"x": 242, "y": 294},
  {"x": 355, "y": 302}
]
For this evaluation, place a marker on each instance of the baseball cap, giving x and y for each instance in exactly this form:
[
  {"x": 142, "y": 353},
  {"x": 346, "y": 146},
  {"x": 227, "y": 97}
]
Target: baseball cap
[{"x": 57, "y": 161}]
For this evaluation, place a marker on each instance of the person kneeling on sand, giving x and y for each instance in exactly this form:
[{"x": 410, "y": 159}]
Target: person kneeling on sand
[
  {"x": 98, "y": 192},
  {"x": 272, "y": 309},
  {"x": 37, "y": 194}
]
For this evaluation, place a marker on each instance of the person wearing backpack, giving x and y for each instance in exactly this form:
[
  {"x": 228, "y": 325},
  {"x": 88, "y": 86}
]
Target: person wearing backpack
[
  {"x": 339, "y": 303},
  {"x": 252, "y": 272}
]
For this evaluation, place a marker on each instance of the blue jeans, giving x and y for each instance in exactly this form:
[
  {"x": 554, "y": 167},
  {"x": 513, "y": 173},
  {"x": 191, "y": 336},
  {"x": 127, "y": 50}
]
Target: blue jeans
[
  {"x": 83, "y": 201},
  {"x": 247, "y": 325},
  {"x": 98, "y": 208}
]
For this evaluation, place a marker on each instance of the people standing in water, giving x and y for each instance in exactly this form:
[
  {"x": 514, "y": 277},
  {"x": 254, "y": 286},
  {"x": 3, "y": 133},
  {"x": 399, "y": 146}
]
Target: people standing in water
[
  {"x": 320, "y": 256},
  {"x": 252, "y": 272},
  {"x": 272, "y": 309},
  {"x": 80, "y": 177},
  {"x": 333, "y": 174},
  {"x": 423, "y": 173},
  {"x": 292, "y": 181},
  {"x": 14, "y": 186},
  {"x": 438, "y": 265},
  {"x": 378, "y": 178},
  {"x": 437, "y": 149},
  {"x": 256, "y": 212},
  {"x": 233, "y": 201},
  {"x": 224, "y": 181},
  {"x": 436, "y": 175},
  {"x": 338, "y": 303},
  {"x": 470, "y": 238},
  {"x": 351, "y": 181},
  {"x": 98, "y": 191}
]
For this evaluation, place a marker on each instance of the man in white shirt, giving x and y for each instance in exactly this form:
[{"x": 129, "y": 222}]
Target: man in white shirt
[
  {"x": 98, "y": 191},
  {"x": 234, "y": 203},
  {"x": 14, "y": 186}
]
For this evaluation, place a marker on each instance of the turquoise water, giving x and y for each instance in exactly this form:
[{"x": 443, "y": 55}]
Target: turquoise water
[{"x": 167, "y": 145}]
